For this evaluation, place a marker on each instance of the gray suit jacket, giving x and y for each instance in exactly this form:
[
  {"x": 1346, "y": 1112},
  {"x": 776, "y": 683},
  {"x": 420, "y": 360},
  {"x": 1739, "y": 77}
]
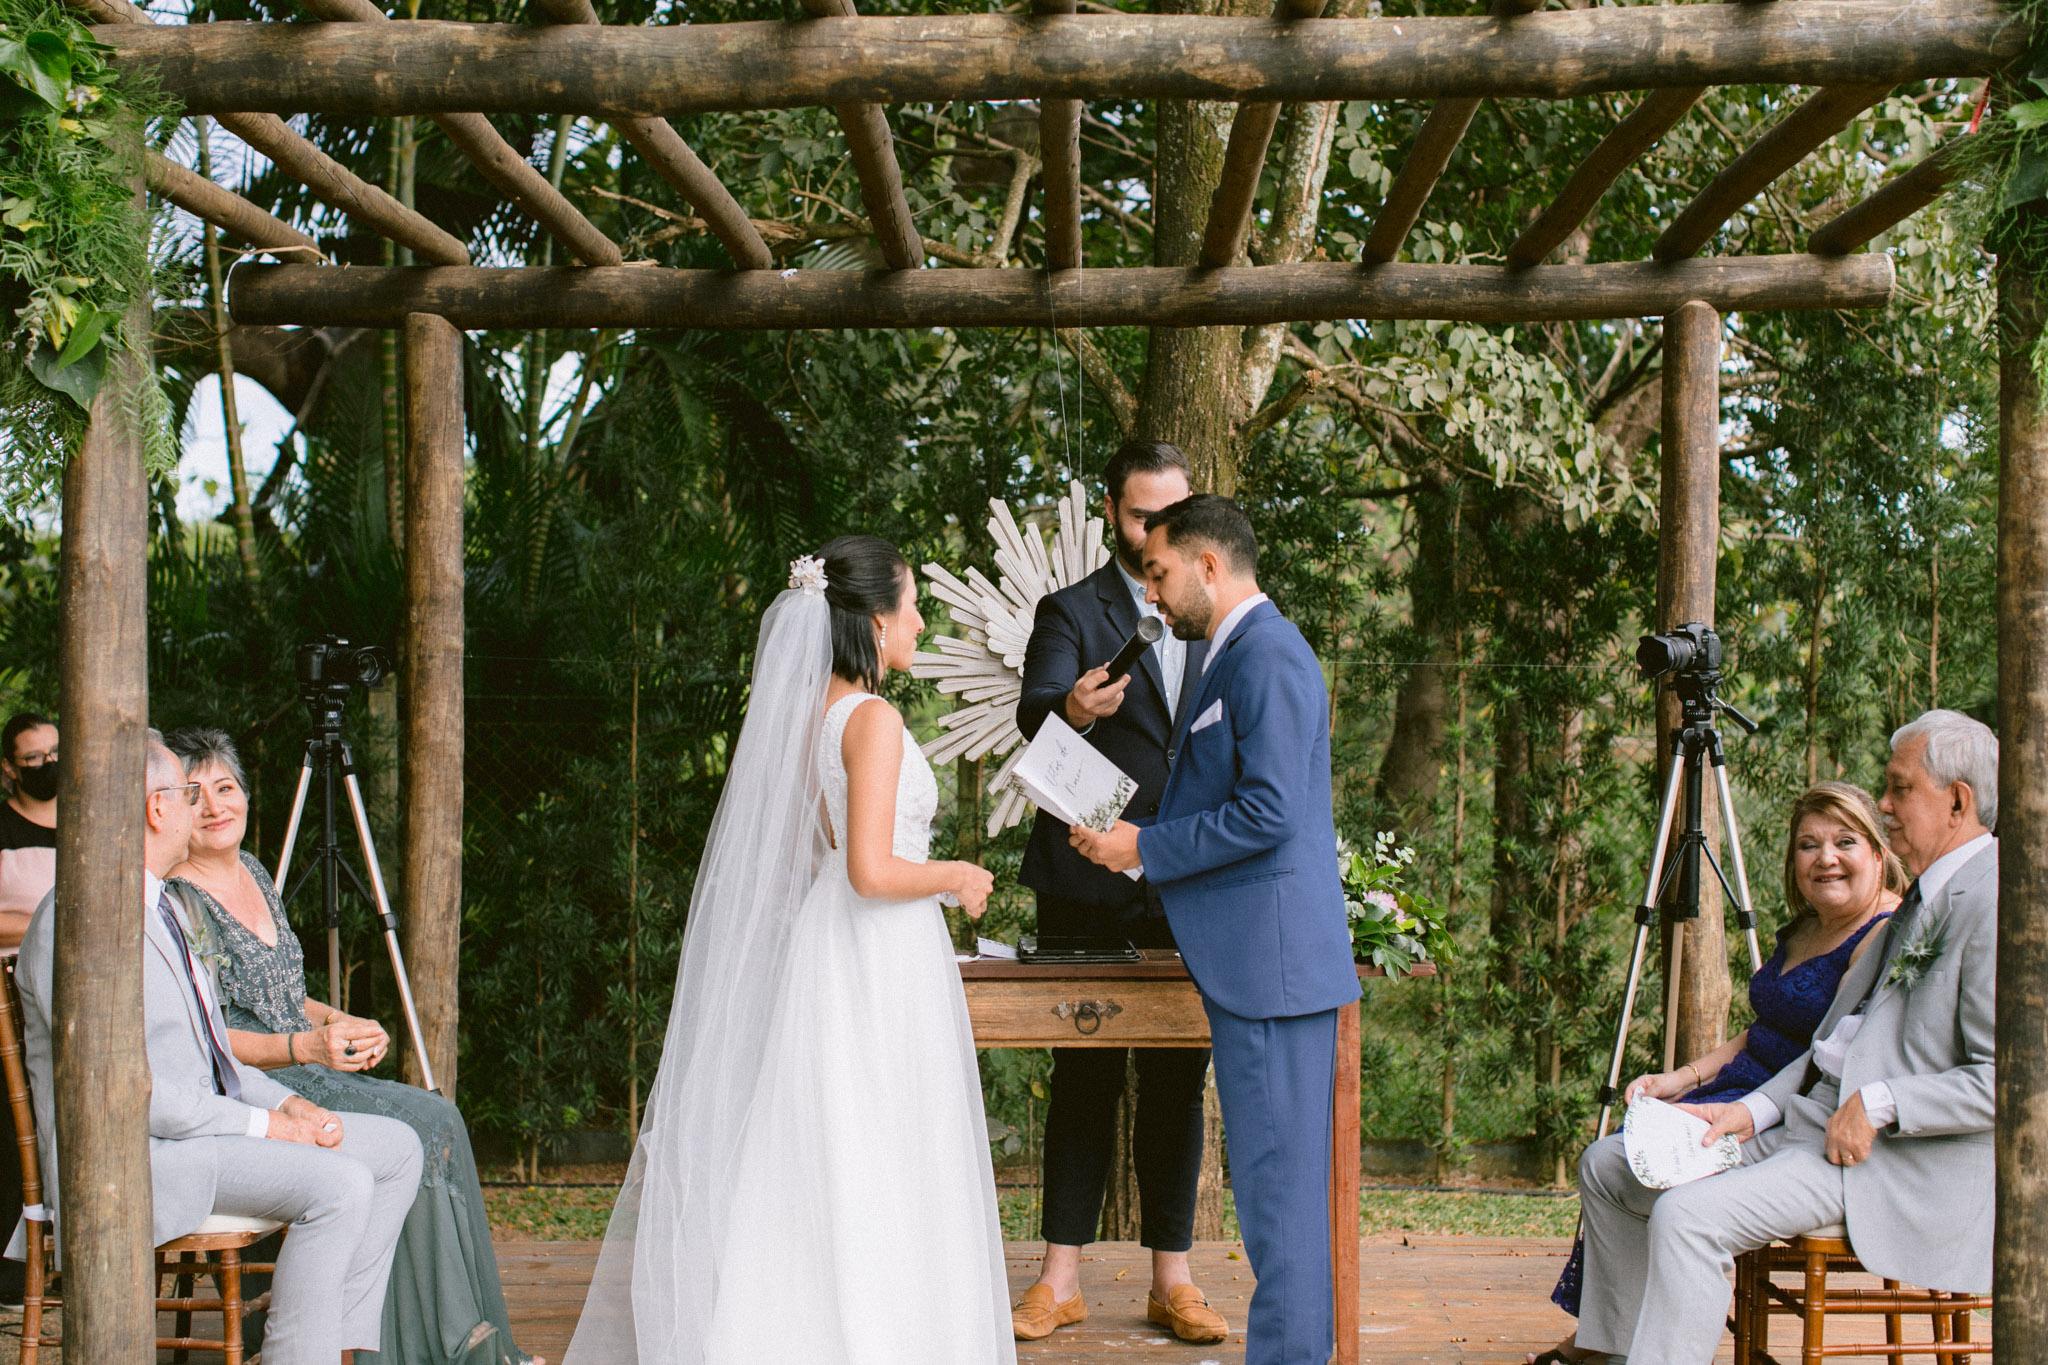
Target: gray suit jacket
[
  {"x": 1920, "y": 1209},
  {"x": 183, "y": 1104}
]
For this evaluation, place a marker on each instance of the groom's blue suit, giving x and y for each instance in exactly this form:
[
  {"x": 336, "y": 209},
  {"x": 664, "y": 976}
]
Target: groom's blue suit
[{"x": 1244, "y": 856}]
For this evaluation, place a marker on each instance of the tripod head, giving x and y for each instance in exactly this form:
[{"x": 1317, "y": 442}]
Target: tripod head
[{"x": 328, "y": 666}]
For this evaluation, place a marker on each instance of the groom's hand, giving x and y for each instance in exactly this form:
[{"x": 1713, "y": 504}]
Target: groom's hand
[
  {"x": 1116, "y": 850},
  {"x": 1732, "y": 1117}
]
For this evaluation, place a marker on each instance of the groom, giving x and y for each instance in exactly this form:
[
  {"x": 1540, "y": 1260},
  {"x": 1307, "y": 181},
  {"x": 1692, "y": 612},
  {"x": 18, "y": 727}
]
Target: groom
[{"x": 1244, "y": 857}]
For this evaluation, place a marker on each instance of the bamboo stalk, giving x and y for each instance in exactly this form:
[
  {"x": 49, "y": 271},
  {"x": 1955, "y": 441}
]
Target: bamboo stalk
[{"x": 240, "y": 513}]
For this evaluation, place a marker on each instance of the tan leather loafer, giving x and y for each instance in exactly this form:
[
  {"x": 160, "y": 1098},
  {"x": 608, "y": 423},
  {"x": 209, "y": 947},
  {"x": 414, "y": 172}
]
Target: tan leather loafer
[
  {"x": 1036, "y": 1316},
  {"x": 1188, "y": 1313}
]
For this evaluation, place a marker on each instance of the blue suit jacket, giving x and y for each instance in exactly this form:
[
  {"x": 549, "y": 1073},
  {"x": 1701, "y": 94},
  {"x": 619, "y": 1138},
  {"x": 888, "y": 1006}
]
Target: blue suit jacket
[{"x": 1244, "y": 851}]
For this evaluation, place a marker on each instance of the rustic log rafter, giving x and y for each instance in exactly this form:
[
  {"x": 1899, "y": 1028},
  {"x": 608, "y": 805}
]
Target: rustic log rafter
[
  {"x": 665, "y": 152},
  {"x": 495, "y": 159},
  {"x": 1441, "y": 133},
  {"x": 612, "y": 70},
  {"x": 1823, "y": 114},
  {"x": 1244, "y": 160},
  {"x": 872, "y": 149},
  {"x": 225, "y": 209},
  {"x": 1059, "y": 148},
  {"x": 326, "y": 179},
  {"x": 1889, "y": 205},
  {"x": 513, "y": 299},
  {"x": 1646, "y": 124}
]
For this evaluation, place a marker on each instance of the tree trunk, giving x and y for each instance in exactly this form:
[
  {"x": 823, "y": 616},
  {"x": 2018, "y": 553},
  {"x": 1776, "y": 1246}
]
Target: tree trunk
[
  {"x": 1508, "y": 910},
  {"x": 1411, "y": 770},
  {"x": 102, "y": 1076},
  {"x": 433, "y": 750},
  {"x": 1689, "y": 539},
  {"x": 240, "y": 513},
  {"x": 2020, "y": 1248}
]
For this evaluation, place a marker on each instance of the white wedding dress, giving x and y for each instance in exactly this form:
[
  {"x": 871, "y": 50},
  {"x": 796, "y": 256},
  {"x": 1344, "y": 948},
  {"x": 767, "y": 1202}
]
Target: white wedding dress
[{"x": 863, "y": 1226}]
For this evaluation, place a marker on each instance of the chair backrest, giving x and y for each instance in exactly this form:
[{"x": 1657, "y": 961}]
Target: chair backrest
[{"x": 12, "y": 1063}]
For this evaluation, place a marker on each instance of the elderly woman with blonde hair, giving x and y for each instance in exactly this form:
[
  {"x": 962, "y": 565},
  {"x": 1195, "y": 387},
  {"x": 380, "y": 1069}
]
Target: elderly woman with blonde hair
[{"x": 1841, "y": 881}]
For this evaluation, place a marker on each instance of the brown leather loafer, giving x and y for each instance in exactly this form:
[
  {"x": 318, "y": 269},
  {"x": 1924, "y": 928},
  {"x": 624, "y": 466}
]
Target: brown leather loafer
[
  {"x": 1036, "y": 1316},
  {"x": 1188, "y": 1313}
]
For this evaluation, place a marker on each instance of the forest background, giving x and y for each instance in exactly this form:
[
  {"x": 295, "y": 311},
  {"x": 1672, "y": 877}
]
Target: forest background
[{"x": 1460, "y": 518}]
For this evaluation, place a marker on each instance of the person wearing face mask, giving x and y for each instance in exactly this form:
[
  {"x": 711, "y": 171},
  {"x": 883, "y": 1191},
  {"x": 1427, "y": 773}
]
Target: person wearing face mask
[{"x": 28, "y": 821}]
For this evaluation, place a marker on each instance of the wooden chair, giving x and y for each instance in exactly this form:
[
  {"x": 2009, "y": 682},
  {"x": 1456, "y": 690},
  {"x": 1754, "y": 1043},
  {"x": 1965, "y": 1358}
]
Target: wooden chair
[
  {"x": 1758, "y": 1297},
  {"x": 214, "y": 1250}
]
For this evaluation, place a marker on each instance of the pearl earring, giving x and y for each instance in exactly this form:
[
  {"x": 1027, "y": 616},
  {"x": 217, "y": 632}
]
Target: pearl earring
[{"x": 885, "y": 636}]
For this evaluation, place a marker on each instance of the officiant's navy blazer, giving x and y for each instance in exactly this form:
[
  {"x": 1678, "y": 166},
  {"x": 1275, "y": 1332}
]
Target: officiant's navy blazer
[
  {"x": 1078, "y": 628},
  {"x": 1244, "y": 850}
]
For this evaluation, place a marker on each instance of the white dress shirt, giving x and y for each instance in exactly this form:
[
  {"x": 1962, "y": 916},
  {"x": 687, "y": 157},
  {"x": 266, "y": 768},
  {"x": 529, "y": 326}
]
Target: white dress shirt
[
  {"x": 1169, "y": 649},
  {"x": 1831, "y": 1054},
  {"x": 1230, "y": 623},
  {"x": 152, "y": 894}
]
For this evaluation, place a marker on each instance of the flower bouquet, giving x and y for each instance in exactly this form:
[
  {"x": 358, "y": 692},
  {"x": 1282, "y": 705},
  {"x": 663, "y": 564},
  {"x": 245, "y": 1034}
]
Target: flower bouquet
[{"x": 1391, "y": 927}]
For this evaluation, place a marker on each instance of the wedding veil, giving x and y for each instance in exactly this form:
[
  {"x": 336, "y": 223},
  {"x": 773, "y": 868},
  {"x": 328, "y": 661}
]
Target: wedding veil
[{"x": 657, "y": 1275}]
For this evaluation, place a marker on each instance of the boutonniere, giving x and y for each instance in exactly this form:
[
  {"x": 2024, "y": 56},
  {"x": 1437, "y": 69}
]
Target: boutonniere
[{"x": 1912, "y": 960}]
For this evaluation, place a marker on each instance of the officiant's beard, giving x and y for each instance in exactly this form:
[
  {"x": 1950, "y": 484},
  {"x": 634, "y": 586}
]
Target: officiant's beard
[{"x": 1130, "y": 555}]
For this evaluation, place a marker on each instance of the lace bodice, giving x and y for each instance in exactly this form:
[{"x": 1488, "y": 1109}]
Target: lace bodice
[{"x": 917, "y": 791}]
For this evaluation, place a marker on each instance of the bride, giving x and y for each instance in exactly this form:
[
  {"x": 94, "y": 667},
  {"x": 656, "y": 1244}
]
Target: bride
[{"x": 812, "y": 1181}]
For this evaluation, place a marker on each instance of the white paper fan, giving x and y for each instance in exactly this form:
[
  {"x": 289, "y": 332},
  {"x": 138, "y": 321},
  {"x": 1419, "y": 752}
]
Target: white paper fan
[{"x": 984, "y": 666}]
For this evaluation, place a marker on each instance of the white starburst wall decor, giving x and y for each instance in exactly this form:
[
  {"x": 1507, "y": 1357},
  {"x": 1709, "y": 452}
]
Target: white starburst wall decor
[{"x": 985, "y": 669}]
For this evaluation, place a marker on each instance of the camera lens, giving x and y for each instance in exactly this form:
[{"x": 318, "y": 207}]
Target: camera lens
[{"x": 1657, "y": 655}]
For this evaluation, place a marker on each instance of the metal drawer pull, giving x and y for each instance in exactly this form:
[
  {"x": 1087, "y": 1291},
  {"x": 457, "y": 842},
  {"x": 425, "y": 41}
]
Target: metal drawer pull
[{"x": 1087, "y": 1014}]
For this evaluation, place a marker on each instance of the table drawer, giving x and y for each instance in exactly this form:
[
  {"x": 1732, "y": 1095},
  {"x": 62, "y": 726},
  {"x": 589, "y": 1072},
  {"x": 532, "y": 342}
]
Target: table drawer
[{"x": 1086, "y": 1013}]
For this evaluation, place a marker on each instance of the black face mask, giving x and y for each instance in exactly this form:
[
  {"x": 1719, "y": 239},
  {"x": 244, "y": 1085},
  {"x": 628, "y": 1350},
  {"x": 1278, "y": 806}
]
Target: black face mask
[{"x": 39, "y": 783}]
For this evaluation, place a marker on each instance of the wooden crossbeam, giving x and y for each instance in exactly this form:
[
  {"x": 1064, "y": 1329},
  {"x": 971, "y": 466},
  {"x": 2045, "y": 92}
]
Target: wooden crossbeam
[
  {"x": 518, "y": 299},
  {"x": 872, "y": 149},
  {"x": 225, "y": 209},
  {"x": 1890, "y": 204},
  {"x": 1441, "y": 133},
  {"x": 1823, "y": 114},
  {"x": 1059, "y": 151},
  {"x": 664, "y": 150},
  {"x": 1244, "y": 160},
  {"x": 1654, "y": 115},
  {"x": 332, "y": 183},
  {"x": 495, "y": 159},
  {"x": 429, "y": 67}
]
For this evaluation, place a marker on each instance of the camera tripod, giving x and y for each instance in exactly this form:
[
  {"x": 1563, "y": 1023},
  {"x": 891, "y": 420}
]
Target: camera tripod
[
  {"x": 1695, "y": 750},
  {"x": 328, "y": 753}
]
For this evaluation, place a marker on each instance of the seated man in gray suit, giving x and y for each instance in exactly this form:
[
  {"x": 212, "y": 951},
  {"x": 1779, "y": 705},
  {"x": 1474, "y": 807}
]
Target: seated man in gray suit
[
  {"x": 225, "y": 1138},
  {"x": 1904, "y": 1160}
]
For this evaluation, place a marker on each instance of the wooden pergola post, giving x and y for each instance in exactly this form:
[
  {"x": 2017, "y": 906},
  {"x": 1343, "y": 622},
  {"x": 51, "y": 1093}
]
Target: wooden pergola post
[
  {"x": 2020, "y": 1245},
  {"x": 1688, "y": 542},
  {"x": 101, "y": 1074},
  {"x": 431, "y": 762}
]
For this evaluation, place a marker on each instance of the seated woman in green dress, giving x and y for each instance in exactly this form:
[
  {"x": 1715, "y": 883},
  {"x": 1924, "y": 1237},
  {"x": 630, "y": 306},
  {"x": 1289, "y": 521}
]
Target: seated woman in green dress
[{"x": 445, "y": 1303}]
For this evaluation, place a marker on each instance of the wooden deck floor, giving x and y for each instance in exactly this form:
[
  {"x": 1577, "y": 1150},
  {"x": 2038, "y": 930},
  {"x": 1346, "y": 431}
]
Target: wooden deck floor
[
  {"x": 1425, "y": 1300},
  {"x": 1455, "y": 1300}
]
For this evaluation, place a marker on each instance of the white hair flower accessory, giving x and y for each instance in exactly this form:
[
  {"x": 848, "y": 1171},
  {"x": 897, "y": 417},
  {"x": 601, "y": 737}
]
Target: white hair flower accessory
[{"x": 807, "y": 574}]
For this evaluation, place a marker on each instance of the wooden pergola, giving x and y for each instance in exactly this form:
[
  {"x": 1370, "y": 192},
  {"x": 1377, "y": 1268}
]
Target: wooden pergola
[{"x": 1847, "y": 55}]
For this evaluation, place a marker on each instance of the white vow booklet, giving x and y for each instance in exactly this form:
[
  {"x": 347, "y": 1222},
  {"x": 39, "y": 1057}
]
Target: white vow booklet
[
  {"x": 1663, "y": 1145},
  {"x": 1064, "y": 775}
]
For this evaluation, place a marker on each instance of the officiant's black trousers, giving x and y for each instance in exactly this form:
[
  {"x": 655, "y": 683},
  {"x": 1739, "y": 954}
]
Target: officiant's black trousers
[{"x": 1080, "y": 1123}]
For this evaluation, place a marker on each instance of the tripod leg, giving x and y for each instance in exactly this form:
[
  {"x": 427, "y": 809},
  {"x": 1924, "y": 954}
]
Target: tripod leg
[
  {"x": 1646, "y": 915},
  {"x": 405, "y": 1000},
  {"x": 1671, "y": 998},
  {"x": 1745, "y": 910},
  {"x": 291, "y": 829}
]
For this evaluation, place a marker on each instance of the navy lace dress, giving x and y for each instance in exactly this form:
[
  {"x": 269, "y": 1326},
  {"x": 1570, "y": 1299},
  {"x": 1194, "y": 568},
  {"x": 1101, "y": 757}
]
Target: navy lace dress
[{"x": 1789, "y": 1007}]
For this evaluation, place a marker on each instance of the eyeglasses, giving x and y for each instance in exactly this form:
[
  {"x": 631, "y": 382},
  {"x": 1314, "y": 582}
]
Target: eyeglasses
[{"x": 191, "y": 790}]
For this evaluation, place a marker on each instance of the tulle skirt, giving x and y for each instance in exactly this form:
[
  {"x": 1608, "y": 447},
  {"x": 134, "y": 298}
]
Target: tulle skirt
[{"x": 864, "y": 1227}]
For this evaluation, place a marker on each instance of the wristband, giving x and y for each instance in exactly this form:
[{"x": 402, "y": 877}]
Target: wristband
[{"x": 291, "y": 1047}]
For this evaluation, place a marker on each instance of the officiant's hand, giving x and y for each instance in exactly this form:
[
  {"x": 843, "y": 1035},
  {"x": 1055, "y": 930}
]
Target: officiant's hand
[
  {"x": 1116, "y": 850},
  {"x": 1850, "y": 1133},
  {"x": 1090, "y": 701},
  {"x": 1723, "y": 1119}
]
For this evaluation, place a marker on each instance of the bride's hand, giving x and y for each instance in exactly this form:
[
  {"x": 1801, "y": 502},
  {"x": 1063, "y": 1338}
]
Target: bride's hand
[{"x": 973, "y": 887}]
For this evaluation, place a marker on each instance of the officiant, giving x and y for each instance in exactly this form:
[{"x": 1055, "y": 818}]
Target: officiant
[{"x": 1130, "y": 722}]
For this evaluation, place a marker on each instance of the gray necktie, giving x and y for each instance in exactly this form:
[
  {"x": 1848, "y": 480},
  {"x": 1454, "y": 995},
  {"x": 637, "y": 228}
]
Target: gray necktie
[
  {"x": 225, "y": 1078},
  {"x": 1901, "y": 925}
]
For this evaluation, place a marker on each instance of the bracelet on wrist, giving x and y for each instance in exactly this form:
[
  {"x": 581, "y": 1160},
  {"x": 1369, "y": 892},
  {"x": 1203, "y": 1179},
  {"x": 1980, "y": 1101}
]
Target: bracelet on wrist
[{"x": 291, "y": 1047}]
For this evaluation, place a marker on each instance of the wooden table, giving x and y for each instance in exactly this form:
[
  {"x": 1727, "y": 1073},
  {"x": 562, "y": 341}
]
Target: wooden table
[{"x": 1153, "y": 1003}]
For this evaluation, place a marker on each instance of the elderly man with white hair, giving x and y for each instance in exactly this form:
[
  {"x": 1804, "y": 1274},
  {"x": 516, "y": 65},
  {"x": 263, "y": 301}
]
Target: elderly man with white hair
[{"x": 1883, "y": 1125}]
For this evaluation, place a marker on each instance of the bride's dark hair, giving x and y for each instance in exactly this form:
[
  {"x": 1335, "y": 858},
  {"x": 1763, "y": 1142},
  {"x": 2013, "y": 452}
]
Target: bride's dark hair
[{"x": 864, "y": 578}]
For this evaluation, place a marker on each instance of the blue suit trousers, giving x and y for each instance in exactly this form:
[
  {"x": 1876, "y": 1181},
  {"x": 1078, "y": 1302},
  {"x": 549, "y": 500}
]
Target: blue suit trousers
[{"x": 1276, "y": 1080}]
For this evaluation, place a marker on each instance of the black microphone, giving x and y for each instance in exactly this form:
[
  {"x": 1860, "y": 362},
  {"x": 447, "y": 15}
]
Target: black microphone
[{"x": 1150, "y": 628}]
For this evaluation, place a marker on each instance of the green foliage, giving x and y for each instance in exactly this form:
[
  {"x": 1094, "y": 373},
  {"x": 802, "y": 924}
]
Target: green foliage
[
  {"x": 1391, "y": 926},
  {"x": 74, "y": 247}
]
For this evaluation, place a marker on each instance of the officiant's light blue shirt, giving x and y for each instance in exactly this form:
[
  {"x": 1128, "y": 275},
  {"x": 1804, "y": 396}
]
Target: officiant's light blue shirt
[{"x": 1170, "y": 650}]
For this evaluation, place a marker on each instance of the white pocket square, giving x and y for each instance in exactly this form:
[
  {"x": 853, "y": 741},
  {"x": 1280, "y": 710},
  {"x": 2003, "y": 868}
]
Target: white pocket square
[{"x": 1208, "y": 717}]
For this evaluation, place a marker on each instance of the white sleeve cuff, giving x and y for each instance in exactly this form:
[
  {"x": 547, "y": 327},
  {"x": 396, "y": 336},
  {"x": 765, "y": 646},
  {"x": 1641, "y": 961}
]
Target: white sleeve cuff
[
  {"x": 259, "y": 1121},
  {"x": 1878, "y": 1105},
  {"x": 1763, "y": 1111}
]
